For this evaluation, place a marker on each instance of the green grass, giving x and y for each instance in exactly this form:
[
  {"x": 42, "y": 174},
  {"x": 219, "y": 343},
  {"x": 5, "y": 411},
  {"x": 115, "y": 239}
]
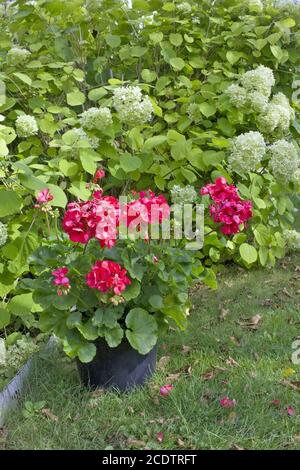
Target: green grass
[{"x": 226, "y": 357}]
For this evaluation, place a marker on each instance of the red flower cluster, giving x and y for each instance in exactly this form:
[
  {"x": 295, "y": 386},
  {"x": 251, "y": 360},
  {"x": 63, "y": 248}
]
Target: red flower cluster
[
  {"x": 228, "y": 208},
  {"x": 97, "y": 218},
  {"x": 108, "y": 276},
  {"x": 148, "y": 208}
]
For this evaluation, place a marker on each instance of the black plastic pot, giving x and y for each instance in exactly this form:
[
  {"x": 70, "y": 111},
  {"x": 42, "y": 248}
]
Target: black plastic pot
[{"x": 122, "y": 367}]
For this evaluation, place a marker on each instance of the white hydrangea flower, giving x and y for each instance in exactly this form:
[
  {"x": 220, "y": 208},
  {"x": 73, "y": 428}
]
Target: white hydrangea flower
[
  {"x": 296, "y": 179},
  {"x": 17, "y": 55},
  {"x": 26, "y": 125},
  {"x": 194, "y": 112},
  {"x": 260, "y": 79},
  {"x": 256, "y": 102},
  {"x": 184, "y": 8},
  {"x": 292, "y": 239},
  {"x": 3, "y": 234},
  {"x": 82, "y": 135},
  {"x": 131, "y": 106},
  {"x": 278, "y": 115},
  {"x": 237, "y": 95},
  {"x": 284, "y": 160},
  {"x": 96, "y": 118},
  {"x": 247, "y": 151},
  {"x": 184, "y": 195}
]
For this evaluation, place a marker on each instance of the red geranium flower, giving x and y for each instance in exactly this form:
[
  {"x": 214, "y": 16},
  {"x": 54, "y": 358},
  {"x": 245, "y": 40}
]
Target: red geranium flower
[{"x": 108, "y": 276}]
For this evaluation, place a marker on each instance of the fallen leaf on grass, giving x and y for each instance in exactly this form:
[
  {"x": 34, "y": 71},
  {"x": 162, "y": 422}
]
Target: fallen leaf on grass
[
  {"x": 287, "y": 372},
  {"x": 232, "y": 417},
  {"x": 223, "y": 314},
  {"x": 209, "y": 375},
  {"x": 48, "y": 413},
  {"x": 252, "y": 322},
  {"x": 295, "y": 385},
  {"x": 98, "y": 392},
  {"x": 163, "y": 362},
  {"x": 135, "y": 442},
  {"x": 286, "y": 292},
  {"x": 181, "y": 443},
  {"x": 234, "y": 340},
  {"x": 185, "y": 349},
  {"x": 173, "y": 377},
  {"x": 296, "y": 439},
  {"x": 231, "y": 362},
  {"x": 290, "y": 411},
  {"x": 236, "y": 447}
]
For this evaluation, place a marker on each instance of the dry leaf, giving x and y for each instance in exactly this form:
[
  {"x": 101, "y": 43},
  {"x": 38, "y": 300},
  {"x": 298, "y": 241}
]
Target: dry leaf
[
  {"x": 180, "y": 442},
  {"x": 296, "y": 439},
  {"x": 130, "y": 409},
  {"x": 231, "y": 362},
  {"x": 48, "y": 413},
  {"x": 234, "y": 340},
  {"x": 98, "y": 392},
  {"x": 209, "y": 375},
  {"x": 173, "y": 377},
  {"x": 163, "y": 362},
  {"x": 185, "y": 349},
  {"x": 223, "y": 314},
  {"x": 232, "y": 417},
  {"x": 286, "y": 292},
  {"x": 295, "y": 385},
  {"x": 236, "y": 447},
  {"x": 135, "y": 442}
]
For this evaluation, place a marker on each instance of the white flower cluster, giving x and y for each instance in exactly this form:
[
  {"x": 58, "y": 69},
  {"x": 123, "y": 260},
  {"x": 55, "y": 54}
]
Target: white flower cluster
[
  {"x": 252, "y": 95},
  {"x": 247, "y": 151},
  {"x": 254, "y": 90},
  {"x": 292, "y": 239},
  {"x": 184, "y": 195},
  {"x": 17, "y": 55},
  {"x": 260, "y": 79},
  {"x": 82, "y": 135},
  {"x": 278, "y": 115},
  {"x": 17, "y": 354},
  {"x": 26, "y": 125},
  {"x": 96, "y": 118},
  {"x": 184, "y": 8},
  {"x": 131, "y": 106},
  {"x": 284, "y": 160},
  {"x": 194, "y": 112},
  {"x": 3, "y": 234}
]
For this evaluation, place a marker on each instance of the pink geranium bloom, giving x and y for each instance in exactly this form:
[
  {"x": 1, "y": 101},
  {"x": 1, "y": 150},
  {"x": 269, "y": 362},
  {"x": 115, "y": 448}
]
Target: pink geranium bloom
[
  {"x": 160, "y": 436},
  {"x": 165, "y": 390},
  {"x": 61, "y": 279},
  {"x": 226, "y": 402},
  {"x": 99, "y": 175},
  {"x": 44, "y": 196}
]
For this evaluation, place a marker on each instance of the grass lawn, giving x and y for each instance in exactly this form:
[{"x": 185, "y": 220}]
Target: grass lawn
[{"x": 222, "y": 353}]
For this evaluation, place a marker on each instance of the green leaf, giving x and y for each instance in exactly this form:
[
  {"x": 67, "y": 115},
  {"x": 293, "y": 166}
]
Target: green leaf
[
  {"x": 97, "y": 93},
  {"x": 3, "y": 148},
  {"x": 154, "y": 141},
  {"x": 156, "y": 37},
  {"x": 74, "y": 320},
  {"x": 207, "y": 109},
  {"x": 156, "y": 301},
  {"x": 23, "y": 304},
  {"x": 177, "y": 63},
  {"x": 114, "y": 336},
  {"x": 75, "y": 98},
  {"x": 148, "y": 75},
  {"x": 11, "y": 202},
  {"x": 248, "y": 253},
  {"x": 132, "y": 291},
  {"x": 112, "y": 40},
  {"x": 176, "y": 39},
  {"x": 142, "y": 330},
  {"x": 4, "y": 317},
  {"x": 23, "y": 77},
  {"x": 87, "y": 352},
  {"x": 233, "y": 56},
  {"x": 130, "y": 162}
]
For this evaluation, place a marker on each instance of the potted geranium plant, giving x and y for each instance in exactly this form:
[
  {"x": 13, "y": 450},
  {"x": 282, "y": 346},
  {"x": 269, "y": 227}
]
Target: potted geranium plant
[
  {"x": 111, "y": 282},
  {"x": 107, "y": 295}
]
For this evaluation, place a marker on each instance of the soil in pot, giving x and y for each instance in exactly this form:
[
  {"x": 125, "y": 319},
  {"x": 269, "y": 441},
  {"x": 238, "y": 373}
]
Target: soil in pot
[{"x": 122, "y": 367}]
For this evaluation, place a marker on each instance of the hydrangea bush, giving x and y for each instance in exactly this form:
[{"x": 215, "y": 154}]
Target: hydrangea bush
[{"x": 164, "y": 95}]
